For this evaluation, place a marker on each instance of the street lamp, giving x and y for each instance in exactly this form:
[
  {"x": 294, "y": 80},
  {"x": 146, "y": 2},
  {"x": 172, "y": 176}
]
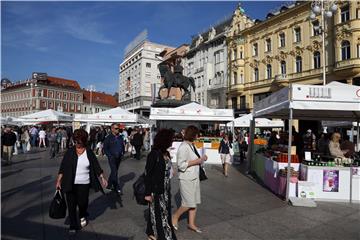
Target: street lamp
[
  {"x": 31, "y": 83},
  {"x": 91, "y": 89},
  {"x": 325, "y": 9}
]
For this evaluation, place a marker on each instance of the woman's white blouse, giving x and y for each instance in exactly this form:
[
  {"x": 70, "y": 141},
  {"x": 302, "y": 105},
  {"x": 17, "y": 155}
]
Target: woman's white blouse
[
  {"x": 183, "y": 156},
  {"x": 82, "y": 175}
]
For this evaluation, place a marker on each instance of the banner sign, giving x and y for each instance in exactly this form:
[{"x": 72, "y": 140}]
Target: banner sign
[{"x": 330, "y": 180}]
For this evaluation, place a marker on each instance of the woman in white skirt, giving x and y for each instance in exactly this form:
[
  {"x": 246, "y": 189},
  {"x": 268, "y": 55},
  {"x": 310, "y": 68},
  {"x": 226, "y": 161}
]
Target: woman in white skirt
[
  {"x": 224, "y": 150},
  {"x": 188, "y": 167}
]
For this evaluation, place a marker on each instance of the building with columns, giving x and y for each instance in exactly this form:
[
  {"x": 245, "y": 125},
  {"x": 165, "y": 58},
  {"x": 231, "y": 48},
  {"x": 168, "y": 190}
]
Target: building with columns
[
  {"x": 206, "y": 62},
  {"x": 139, "y": 75},
  {"x": 287, "y": 48}
]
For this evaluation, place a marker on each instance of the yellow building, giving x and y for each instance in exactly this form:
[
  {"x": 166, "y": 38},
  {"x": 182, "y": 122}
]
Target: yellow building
[{"x": 287, "y": 48}]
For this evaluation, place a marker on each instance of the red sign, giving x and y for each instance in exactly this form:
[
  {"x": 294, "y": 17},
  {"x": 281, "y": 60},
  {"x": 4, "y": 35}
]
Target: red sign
[{"x": 358, "y": 93}]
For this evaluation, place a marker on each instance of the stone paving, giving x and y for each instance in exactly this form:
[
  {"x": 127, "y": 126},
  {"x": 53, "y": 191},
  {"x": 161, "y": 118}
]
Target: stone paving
[{"x": 232, "y": 208}]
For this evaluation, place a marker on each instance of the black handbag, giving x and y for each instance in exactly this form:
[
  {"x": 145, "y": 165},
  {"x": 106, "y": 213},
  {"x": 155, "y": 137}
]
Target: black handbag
[
  {"x": 139, "y": 190},
  {"x": 202, "y": 173},
  {"x": 57, "y": 208}
]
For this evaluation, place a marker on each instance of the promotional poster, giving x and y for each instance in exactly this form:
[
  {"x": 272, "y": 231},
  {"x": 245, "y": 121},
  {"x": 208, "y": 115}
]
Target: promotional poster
[{"x": 331, "y": 181}]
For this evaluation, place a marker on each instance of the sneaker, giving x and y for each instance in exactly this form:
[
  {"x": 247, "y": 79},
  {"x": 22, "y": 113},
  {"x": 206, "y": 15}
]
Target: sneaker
[
  {"x": 72, "y": 231},
  {"x": 119, "y": 192},
  {"x": 83, "y": 222}
]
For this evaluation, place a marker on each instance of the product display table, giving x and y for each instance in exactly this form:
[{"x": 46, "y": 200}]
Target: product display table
[{"x": 329, "y": 183}]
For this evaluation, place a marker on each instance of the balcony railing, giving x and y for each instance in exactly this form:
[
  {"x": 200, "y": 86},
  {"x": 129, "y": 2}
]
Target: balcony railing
[{"x": 347, "y": 63}]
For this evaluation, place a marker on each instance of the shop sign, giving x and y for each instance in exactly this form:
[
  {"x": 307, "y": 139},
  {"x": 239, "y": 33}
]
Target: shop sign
[
  {"x": 306, "y": 189},
  {"x": 330, "y": 180}
]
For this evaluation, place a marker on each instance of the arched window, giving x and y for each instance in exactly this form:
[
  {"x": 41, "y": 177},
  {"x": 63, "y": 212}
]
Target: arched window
[
  {"x": 256, "y": 74},
  {"x": 268, "y": 71},
  {"x": 283, "y": 67},
  {"x": 298, "y": 64},
  {"x": 317, "y": 63},
  {"x": 345, "y": 50}
]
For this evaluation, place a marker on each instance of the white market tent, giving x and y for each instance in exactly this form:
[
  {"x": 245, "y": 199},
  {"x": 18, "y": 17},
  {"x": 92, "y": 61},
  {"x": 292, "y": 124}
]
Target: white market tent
[
  {"x": 48, "y": 115},
  {"x": 192, "y": 112},
  {"x": 333, "y": 102},
  {"x": 109, "y": 116},
  {"x": 11, "y": 121},
  {"x": 244, "y": 121}
]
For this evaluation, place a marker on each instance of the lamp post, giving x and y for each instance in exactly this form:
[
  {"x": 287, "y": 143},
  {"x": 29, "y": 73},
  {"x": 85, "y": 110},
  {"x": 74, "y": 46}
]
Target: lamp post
[
  {"x": 326, "y": 9},
  {"x": 31, "y": 83},
  {"x": 91, "y": 89}
]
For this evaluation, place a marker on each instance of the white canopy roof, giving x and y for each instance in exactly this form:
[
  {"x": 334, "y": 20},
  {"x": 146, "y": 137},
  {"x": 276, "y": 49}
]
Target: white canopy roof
[
  {"x": 334, "y": 101},
  {"x": 48, "y": 115},
  {"x": 244, "y": 121},
  {"x": 11, "y": 121},
  {"x": 192, "y": 112},
  {"x": 112, "y": 115}
]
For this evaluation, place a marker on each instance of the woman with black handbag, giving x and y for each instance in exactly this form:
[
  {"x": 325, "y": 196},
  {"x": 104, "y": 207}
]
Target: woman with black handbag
[
  {"x": 79, "y": 170},
  {"x": 189, "y": 163},
  {"x": 158, "y": 189}
]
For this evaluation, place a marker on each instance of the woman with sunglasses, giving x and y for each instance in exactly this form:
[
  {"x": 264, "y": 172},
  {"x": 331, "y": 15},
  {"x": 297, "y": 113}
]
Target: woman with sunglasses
[{"x": 79, "y": 170}]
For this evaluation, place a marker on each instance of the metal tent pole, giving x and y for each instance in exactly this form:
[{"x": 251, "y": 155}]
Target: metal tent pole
[
  {"x": 289, "y": 155},
  {"x": 251, "y": 145}
]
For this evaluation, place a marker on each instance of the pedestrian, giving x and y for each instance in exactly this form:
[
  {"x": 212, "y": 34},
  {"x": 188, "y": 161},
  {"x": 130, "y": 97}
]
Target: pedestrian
[
  {"x": 42, "y": 136},
  {"x": 17, "y": 143},
  {"x": 93, "y": 137},
  {"x": 188, "y": 163},
  {"x": 79, "y": 171},
  {"x": 137, "y": 142},
  {"x": 158, "y": 189},
  {"x": 53, "y": 142},
  {"x": 243, "y": 147},
  {"x": 33, "y": 135},
  {"x": 24, "y": 138},
  {"x": 63, "y": 139},
  {"x": 147, "y": 139},
  {"x": 114, "y": 149},
  {"x": 224, "y": 151},
  {"x": 8, "y": 140}
]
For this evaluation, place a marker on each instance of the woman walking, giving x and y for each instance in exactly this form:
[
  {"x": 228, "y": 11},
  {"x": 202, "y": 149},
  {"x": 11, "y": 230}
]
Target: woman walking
[
  {"x": 157, "y": 188},
  {"x": 224, "y": 150},
  {"x": 79, "y": 170},
  {"x": 24, "y": 138},
  {"x": 42, "y": 136},
  {"x": 188, "y": 162}
]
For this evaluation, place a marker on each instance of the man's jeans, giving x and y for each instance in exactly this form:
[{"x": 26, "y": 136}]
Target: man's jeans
[
  {"x": 8, "y": 150},
  {"x": 33, "y": 140},
  {"x": 114, "y": 163}
]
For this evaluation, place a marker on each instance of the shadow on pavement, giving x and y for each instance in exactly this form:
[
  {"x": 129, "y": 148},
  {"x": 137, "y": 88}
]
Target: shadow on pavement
[
  {"x": 7, "y": 174},
  {"x": 126, "y": 178},
  {"x": 98, "y": 206}
]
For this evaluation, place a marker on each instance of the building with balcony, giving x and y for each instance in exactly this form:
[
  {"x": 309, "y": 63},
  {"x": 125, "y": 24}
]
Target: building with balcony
[
  {"x": 287, "y": 48},
  {"x": 206, "y": 62},
  {"x": 139, "y": 75},
  {"x": 39, "y": 93}
]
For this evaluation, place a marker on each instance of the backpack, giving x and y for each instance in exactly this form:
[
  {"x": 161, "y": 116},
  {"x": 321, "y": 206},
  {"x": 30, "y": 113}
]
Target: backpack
[{"x": 139, "y": 190}]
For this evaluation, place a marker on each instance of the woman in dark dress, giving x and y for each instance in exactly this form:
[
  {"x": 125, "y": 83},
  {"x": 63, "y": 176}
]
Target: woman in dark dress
[{"x": 157, "y": 188}]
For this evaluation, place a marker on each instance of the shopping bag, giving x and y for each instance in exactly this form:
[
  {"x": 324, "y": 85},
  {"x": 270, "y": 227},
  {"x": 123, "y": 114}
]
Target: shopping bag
[
  {"x": 133, "y": 151},
  {"x": 139, "y": 190},
  {"x": 28, "y": 147},
  {"x": 231, "y": 151},
  {"x": 57, "y": 208}
]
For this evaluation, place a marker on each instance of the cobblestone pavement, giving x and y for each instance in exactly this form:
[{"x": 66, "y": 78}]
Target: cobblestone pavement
[{"x": 232, "y": 208}]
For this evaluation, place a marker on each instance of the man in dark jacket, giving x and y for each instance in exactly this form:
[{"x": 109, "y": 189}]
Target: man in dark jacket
[
  {"x": 114, "y": 149},
  {"x": 8, "y": 140},
  {"x": 137, "y": 142}
]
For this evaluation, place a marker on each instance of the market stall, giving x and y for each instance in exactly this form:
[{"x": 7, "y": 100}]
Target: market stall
[
  {"x": 244, "y": 122},
  {"x": 192, "y": 114},
  {"x": 11, "y": 121},
  {"x": 109, "y": 116},
  {"x": 48, "y": 115},
  {"x": 332, "y": 102}
]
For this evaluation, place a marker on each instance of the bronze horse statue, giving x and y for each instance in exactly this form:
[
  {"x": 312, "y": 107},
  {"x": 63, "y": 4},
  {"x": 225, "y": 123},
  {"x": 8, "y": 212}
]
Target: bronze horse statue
[{"x": 176, "y": 79}]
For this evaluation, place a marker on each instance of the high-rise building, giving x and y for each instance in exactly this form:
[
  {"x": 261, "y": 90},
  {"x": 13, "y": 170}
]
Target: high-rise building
[{"x": 138, "y": 74}]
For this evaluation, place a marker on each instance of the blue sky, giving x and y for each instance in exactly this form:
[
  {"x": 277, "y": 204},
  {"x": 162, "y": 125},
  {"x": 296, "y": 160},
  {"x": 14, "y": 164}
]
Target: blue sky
[{"x": 85, "y": 41}]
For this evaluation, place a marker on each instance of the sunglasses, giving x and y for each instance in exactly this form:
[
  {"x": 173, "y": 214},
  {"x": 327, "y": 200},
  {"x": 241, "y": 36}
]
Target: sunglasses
[{"x": 116, "y": 128}]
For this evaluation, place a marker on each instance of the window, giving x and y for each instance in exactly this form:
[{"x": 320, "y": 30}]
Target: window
[
  {"x": 358, "y": 13},
  {"x": 255, "y": 49},
  {"x": 209, "y": 81},
  {"x": 298, "y": 64},
  {"x": 78, "y": 97},
  {"x": 345, "y": 14},
  {"x": 268, "y": 45},
  {"x": 268, "y": 71},
  {"x": 241, "y": 55},
  {"x": 65, "y": 96},
  {"x": 235, "y": 78},
  {"x": 234, "y": 54},
  {"x": 282, "y": 39},
  {"x": 65, "y": 106},
  {"x": 316, "y": 28},
  {"x": 72, "y": 106},
  {"x": 358, "y": 50},
  {"x": 345, "y": 50},
  {"x": 242, "y": 102},
  {"x": 241, "y": 78},
  {"x": 283, "y": 67},
  {"x": 297, "y": 34},
  {"x": 148, "y": 65},
  {"x": 256, "y": 74},
  {"x": 234, "y": 103},
  {"x": 317, "y": 60},
  {"x": 260, "y": 96}
]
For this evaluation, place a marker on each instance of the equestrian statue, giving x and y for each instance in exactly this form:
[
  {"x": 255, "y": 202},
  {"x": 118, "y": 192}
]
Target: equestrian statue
[{"x": 175, "y": 79}]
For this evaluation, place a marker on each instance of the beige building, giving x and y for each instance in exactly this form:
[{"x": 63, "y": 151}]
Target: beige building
[{"x": 286, "y": 48}]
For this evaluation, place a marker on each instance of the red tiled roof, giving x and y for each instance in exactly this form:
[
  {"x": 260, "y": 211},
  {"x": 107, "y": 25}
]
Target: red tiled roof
[
  {"x": 100, "y": 98},
  {"x": 63, "y": 82}
]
